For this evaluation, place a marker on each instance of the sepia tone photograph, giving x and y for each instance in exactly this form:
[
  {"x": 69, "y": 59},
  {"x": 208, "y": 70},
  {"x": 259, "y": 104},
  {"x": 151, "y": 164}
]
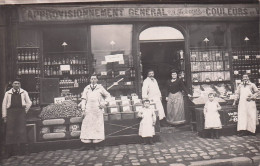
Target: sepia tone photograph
[{"x": 130, "y": 82}]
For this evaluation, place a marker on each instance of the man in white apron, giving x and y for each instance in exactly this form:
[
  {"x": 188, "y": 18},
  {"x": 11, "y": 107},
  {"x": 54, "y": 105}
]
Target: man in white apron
[
  {"x": 151, "y": 91},
  {"x": 247, "y": 114}
]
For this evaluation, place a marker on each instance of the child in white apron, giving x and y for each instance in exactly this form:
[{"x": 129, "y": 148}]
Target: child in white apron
[
  {"x": 212, "y": 116},
  {"x": 146, "y": 128}
]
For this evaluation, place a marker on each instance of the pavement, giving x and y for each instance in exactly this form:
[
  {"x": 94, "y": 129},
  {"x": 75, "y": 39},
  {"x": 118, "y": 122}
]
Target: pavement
[{"x": 177, "y": 147}]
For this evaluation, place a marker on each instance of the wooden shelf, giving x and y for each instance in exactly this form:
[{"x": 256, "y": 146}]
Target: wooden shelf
[
  {"x": 66, "y": 52},
  {"x": 27, "y": 47},
  {"x": 211, "y": 82},
  {"x": 27, "y": 62},
  {"x": 209, "y": 71}
]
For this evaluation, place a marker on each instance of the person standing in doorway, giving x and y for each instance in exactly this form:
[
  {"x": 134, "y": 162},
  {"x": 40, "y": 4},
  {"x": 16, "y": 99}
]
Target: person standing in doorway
[
  {"x": 175, "y": 102},
  {"x": 247, "y": 114},
  {"x": 93, "y": 103},
  {"x": 151, "y": 91},
  {"x": 15, "y": 105}
]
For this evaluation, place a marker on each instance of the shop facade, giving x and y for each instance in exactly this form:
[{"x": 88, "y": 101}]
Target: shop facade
[{"x": 54, "y": 49}]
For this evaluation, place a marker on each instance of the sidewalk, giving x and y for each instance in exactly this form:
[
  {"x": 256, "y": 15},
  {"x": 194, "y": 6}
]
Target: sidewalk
[{"x": 177, "y": 147}]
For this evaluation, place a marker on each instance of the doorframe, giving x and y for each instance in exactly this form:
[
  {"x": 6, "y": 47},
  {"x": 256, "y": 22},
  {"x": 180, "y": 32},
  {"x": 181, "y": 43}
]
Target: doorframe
[{"x": 139, "y": 28}]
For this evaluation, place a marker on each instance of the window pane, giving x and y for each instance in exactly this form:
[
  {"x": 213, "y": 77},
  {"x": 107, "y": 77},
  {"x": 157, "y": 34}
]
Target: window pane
[
  {"x": 214, "y": 32},
  {"x": 116, "y": 40}
]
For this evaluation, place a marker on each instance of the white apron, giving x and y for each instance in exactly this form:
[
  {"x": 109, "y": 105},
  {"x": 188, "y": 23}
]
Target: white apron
[
  {"x": 246, "y": 111},
  {"x": 146, "y": 128},
  {"x": 93, "y": 123}
]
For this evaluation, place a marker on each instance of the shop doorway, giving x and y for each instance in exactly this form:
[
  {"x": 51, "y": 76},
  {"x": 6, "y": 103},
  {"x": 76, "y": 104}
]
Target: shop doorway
[{"x": 162, "y": 50}]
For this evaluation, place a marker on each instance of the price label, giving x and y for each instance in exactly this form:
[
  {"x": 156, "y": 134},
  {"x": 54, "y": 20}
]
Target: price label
[
  {"x": 235, "y": 57},
  {"x": 248, "y": 71},
  {"x": 205, "y": 55},
  {"x": 207, "y": 67},
  {"x": 236, "y": 72},
  {"x": 217, "y": 54},
  {"x": 207, "y": 80},
  {"x": 103, "y": 73},
  {"x": 246, "y": 56},
  {"x": 121, "y": 72},
  {"x": 195, "y": 80},
  {"x": 258, "y": 56},
  {"x": 128, "y": 83},
  {"x": 220, "y": 79},
  {"x": 103, "y": 62}
]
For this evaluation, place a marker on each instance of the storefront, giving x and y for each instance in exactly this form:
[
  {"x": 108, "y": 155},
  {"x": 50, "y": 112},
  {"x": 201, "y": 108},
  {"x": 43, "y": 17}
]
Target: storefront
[{"x": 55, "y": 48}]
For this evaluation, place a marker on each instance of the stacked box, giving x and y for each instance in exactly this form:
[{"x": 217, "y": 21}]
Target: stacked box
[{"x": 113, "y": 109}]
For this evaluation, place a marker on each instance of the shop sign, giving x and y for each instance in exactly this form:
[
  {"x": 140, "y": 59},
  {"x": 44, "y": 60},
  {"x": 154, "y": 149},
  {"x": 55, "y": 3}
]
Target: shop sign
[
  {"x": 43, "y": 13},
  {"x": 114, "y": 58}
]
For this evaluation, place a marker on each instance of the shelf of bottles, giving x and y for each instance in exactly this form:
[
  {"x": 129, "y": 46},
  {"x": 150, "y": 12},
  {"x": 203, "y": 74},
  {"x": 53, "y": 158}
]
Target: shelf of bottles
[
  {"x": 73, "y": 80},
  {"x": 246, "y": 61},
  {"x": 28, "y": 64},
  {"x": 209, "y": 66}
]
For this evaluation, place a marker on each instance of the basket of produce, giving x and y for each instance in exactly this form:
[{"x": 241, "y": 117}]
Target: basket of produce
[{"x": 65, "y": 109}]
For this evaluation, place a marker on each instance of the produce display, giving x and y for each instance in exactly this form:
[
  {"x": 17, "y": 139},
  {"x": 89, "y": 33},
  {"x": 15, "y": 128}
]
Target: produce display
[{"x": 61, "y": 110}]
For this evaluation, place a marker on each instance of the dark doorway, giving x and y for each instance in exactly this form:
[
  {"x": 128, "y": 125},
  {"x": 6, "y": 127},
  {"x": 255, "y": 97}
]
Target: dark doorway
[{"x": 161, "y": 57}]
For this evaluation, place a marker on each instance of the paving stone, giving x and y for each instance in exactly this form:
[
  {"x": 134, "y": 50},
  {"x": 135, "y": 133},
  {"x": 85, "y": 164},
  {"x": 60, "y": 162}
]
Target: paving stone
[{"x": 206, "y": 157}]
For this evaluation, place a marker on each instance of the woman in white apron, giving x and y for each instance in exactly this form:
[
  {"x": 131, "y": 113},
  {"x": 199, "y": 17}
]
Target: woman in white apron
[
  {"x": 247, "y": 114},
  {"x": 93, "y": 102}
]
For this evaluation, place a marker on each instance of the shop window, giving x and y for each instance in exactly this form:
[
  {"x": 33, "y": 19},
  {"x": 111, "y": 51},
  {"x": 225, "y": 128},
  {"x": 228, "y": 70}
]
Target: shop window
[
  {"x": 75, "y": 38},
  {"x": 241, "y": 31},
  {"x": 65, "y": 59},
  {"x": 112, "y": 58},
  {"x": 214, "y": 32}
]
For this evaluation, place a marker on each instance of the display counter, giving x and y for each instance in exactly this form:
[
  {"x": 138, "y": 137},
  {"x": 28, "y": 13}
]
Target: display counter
[
  {"x": 120, "y": 124},
  {"x": 228, "y": 116}
]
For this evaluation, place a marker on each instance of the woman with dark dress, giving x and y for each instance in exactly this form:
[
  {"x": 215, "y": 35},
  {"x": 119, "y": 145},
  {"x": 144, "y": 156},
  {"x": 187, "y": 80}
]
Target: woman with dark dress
[{"x": 175, "y": 102}]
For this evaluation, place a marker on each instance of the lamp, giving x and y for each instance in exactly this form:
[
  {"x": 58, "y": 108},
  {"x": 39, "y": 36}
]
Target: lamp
[
  {"x": 206, "y": 40},
  {"x": 112, "y": 43},
  {"x": 246, "y": 40},
  {"x": 64, "y": 44}
]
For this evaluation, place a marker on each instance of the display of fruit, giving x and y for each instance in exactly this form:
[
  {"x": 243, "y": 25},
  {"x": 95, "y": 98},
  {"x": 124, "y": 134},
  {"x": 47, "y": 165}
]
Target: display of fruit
[{"x": 61, "y": 110}]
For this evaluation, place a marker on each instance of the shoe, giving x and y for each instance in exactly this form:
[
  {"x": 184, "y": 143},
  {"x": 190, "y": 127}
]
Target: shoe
[{"x": 241, "y": 134}]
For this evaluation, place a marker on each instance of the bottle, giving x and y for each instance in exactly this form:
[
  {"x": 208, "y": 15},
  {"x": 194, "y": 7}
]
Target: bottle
[
  {"x": 76, "y": 83},
  {"x": 22, "y": 55},
  {"x": 34, "y": 102},
  {"x": 33, "y": 56},
  {"x": 26, "y": 71},
  {"x": 29, "y": 55},
  {"x": 22, "y": 70},
  {"x": 19, "y": 71},
  {"x": 19, "y": 56}
]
